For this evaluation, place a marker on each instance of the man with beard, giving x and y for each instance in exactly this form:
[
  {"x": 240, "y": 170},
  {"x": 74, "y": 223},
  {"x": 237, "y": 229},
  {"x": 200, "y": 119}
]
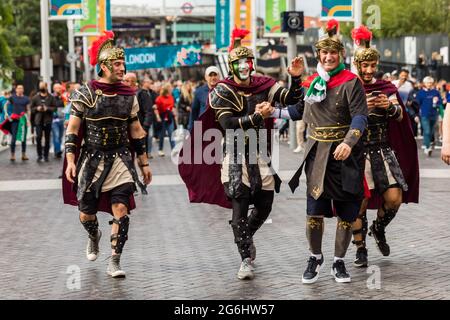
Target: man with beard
[
  {"x": 240, "y": 104},
  {"x": 391, "y": 168},
  {"x": 335, "y": 110},
  {"x": 104, "y": 115}
]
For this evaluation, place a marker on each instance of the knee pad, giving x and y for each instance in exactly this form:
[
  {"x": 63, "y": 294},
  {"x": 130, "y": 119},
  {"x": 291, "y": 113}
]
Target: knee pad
[
  {"x": 242, "y": 236},
  {"x": 122, "y": 235},
  {"x": 91, "y": 227},
  {"x": 255, "y": 220},
  {"x": 314, "y": 223},
  {"x": 389, "y": 214},
  {"x": 363, "y": 231}
]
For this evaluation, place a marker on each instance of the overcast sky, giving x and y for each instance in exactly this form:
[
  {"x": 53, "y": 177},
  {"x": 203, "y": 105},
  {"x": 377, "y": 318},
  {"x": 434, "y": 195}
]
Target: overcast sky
[{"x": 310, "y": 8}]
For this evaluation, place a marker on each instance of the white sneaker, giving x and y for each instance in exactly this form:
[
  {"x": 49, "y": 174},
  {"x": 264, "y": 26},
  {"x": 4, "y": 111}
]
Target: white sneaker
[
  {"x": 298, "y": 149},
  {"x": 246, "y": 270},
  {"x": 92, "y": 249},
  {"x": 161, "y": 153},
  {"x": 114, "y": 269}
]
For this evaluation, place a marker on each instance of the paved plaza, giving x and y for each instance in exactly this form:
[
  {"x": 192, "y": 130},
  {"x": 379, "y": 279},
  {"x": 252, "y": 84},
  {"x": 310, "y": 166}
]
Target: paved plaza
[{"x": 178, "y": 250}]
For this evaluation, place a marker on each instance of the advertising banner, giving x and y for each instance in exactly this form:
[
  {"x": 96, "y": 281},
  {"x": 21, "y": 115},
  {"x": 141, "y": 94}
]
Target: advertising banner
[
  {"x": 66, "y": 9},
  {"x": 162, "y": 57},
  {"x": 222, "y": 24},
  {"x": 341, "y": 10}
]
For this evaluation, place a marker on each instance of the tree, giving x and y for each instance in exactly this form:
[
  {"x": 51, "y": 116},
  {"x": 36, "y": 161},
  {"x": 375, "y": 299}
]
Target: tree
[
  {"x": 7, "y": 65},
  {"x": 28, "y": 22},
  {"x": 407, "y": 17},
  {"x": 20, "y": 34}
]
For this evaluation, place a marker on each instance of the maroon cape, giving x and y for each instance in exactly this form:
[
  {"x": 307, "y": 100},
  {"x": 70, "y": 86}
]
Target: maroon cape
[
  {"x": 401, "y": 140},
  {"x": 113, "y": 88},
  {"x": 69, "y": 192},
  {"x": 203, "y": 180}
]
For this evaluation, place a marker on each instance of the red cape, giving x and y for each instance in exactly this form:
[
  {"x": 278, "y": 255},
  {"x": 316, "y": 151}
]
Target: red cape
[
  {"x": 401, "y": 140},
  {"x": 203, "y": 180},
  {"x": 113, "y": 88}
]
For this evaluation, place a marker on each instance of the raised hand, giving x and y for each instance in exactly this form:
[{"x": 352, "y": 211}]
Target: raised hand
[{"x": 297, "y": 67}]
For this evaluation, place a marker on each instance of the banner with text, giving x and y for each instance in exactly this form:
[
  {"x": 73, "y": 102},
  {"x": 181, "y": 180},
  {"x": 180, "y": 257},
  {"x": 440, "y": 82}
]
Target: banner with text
[
  {"x": 341, "y": 10},
  {"x": 162, "y": 57},
  {"x": 222, "y": 24},
  {"x": 273, "y": 15},
  {"x": 66, "y": 9}
]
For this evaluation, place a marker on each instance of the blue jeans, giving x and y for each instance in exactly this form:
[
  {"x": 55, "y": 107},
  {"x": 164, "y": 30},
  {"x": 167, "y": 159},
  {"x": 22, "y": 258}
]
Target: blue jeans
[
  {"x": 169, "y": 128},
  {"x": 14, "y": 128},
  {"x": 149, "y": 138},
  {"x": 57, "y": 133},
  {"x": 427, "y": 130}
]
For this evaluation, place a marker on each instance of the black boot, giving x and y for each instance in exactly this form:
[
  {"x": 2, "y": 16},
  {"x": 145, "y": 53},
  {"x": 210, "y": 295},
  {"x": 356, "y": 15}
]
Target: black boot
[
  {"x": 377, "y": 230},
  {"x": 378, "y": 233},
  {"x": 361, "y": 260}
]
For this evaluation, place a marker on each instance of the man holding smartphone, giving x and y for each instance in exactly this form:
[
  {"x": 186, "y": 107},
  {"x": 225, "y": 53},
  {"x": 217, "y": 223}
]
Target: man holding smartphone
[
  {"x": 391, "y": 168},
  {"x": 43, "y": 106}
]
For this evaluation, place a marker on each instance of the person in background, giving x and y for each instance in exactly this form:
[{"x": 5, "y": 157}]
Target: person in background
[
  {"x": 43, "y": 105},
  {"x": 19, "y": 122},
  {"x": 413, "y": 108},
  {"x": 165, "y": 104},
  {"x": 184, "y": 104},
  {"x": 4, "y": 104},
  {"x": 58, "y": 120},
  {"x": 404, "y": 86},
  {"x": 71, "y": 87},
  {"x": 146, "y": 114},
  {"x": 130, "y": 80},
  {"x": 201, "y": 94},
  {"x": 429, "y": 100}
]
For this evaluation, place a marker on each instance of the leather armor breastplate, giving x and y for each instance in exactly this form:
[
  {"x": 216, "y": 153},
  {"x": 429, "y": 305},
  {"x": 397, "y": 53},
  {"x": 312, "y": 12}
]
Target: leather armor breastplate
[{"x": 107, "y": 122}]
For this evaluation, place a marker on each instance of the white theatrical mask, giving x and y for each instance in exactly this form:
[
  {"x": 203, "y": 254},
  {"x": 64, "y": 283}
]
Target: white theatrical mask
[{"x": 244, "y": 68}]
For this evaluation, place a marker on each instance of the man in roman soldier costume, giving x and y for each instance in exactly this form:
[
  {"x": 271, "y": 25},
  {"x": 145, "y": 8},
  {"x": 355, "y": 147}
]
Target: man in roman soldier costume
[
  {"x": 238, "y": 106},
  {"x": 335, "y": 110},
  {"x": 101, "y": 138},
  {"x": 391, "y": 168}
]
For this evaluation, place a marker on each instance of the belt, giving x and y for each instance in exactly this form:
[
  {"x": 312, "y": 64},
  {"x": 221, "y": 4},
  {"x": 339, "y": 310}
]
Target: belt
[{"x": 329, "y": 134}]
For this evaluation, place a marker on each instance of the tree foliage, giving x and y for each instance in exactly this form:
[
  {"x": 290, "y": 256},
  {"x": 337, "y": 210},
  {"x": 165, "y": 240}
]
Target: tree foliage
[
  {"x": 407, "y": 17},
  {"x": 7, "y": 65},
  {"x": 20, "y": 34}
]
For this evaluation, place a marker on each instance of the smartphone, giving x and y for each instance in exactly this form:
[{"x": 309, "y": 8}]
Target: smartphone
[{"x": 375, "y": 93}]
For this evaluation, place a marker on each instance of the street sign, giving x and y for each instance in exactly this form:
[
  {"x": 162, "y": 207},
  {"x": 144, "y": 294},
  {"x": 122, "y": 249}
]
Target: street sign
[
  {"x": 187, "y": 7},
  {"x": 293, "y": 22}
]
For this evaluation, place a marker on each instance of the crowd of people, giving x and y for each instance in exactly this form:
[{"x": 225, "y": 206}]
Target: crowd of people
[{"x": 164, "y": 106}]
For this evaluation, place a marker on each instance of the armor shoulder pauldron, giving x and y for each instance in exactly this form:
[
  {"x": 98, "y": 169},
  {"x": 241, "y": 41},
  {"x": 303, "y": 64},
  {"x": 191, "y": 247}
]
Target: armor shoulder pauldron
[
  {"x": 224, "y": 97},
  {"x": 86, "y": 96}
]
